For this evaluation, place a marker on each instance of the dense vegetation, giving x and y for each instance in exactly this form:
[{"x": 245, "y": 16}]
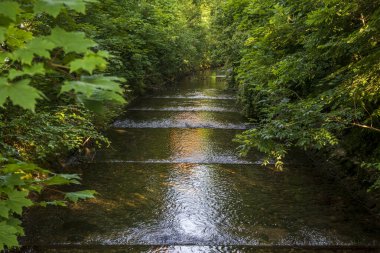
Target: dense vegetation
[
  {"x": 307, "y": 73},
  {"x": 66, "y": 68}
]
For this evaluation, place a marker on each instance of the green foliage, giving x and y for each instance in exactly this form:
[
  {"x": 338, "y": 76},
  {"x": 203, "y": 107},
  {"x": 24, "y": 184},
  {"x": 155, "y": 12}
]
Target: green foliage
[
  {"x": 152, "y": 42},
  {"x": 19, "y": 182},
  {"x": 307, "y": 71},
  {"x": 43, "y": 94},
  {"x": 58, "y": 52},
  {"x": 51, "y": 134}
]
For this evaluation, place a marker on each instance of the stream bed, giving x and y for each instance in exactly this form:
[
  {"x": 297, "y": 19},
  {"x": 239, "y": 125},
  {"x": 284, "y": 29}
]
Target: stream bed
[{"x": 172, "y": 181}]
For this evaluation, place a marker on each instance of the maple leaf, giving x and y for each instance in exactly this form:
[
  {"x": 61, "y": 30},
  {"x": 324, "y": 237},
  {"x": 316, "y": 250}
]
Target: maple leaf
[
  {"x": 89, "y": 63},
  {"x": 70, "y": 41},
  {"x": 38, "y": 46},
  {"x": 8, "y": 235},
  {"x": 54, "y": 7},
  {"x": 20, "y": 93}
]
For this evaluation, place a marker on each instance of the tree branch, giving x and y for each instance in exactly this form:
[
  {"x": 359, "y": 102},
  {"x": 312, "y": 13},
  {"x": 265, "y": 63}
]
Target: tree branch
[{"x": 366, "y": 127}]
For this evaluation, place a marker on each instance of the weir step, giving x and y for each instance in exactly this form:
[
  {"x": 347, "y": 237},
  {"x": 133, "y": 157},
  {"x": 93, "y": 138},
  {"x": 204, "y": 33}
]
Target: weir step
[{"x": 200, "y": 249}]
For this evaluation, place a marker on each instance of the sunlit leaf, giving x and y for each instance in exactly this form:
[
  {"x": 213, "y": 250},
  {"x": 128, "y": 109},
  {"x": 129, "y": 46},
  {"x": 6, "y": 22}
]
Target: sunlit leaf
[
  {"x": 76, "y": 42},
  {"x": 88, "y": 63}
]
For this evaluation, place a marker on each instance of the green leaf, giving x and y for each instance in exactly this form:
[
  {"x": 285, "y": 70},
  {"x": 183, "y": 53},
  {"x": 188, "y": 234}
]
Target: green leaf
[
  {"x": 38, "y": 46},
  {"x": 88, "y": 63},
  {"x": 11, "y": 180},
  {"x": 3, "y": 31},
  {"x": 75, "y": 196},
  {"x": 93, "y": 86},
  {"x": 28, "y": 70},
  {"x": 23, "y": 167},
  {"x": 54, "y": 7},
  {"x": 4, "y": 209},
  {"x": 20, "y": 93},
  {"x": 8, "y": 235},
  {"x": 17, "y": 201},
  {"x": 75, "y": 42},
  {"x": 9, "y": 9},
  {"x": 62, "y": 179},
  {"x": 111, "y": 83},
  {"x": 17, "y": 37},
  {"x": 104, "y": 54},
  {"x": 16, "y": 223}
]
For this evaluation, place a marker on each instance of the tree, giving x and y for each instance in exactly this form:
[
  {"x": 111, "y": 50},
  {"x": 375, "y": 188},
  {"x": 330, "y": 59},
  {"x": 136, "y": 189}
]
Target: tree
[{"x": 307, "y": 74}]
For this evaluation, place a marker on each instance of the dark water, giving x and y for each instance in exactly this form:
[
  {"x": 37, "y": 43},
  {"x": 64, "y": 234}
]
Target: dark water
[{"x": 172, "y": 178}]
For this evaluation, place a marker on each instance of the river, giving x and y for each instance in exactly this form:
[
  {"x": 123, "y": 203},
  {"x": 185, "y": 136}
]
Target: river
[{"x": 172, "y": 182}]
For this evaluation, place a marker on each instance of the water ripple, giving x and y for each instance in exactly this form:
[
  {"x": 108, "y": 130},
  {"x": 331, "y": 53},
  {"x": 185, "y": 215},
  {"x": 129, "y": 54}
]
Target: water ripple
[
  {"x": 184, "y": 109},
  {"x": 184, "y": 160},
  {"x": 170, "y": 123},
  {"x": 197, "y": 97}
]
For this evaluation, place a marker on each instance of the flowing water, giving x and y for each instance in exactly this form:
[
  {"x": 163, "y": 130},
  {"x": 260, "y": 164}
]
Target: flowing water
[{"x": 172, "y": 182}]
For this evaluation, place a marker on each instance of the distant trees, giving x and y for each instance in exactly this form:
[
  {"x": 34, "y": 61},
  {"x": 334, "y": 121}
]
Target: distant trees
[{"x": 151, "y": 41}]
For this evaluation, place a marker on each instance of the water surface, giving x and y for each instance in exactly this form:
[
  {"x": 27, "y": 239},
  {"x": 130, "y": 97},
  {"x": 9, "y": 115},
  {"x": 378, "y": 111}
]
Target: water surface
[{"x": 172, "y": 182}]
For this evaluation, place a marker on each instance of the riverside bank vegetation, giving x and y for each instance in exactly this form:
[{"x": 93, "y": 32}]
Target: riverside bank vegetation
[{"x": 307, "y": 73}]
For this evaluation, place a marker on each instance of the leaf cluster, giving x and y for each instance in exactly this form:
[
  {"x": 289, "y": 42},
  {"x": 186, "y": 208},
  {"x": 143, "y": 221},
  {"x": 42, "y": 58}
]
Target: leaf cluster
[{"x": 307, "y": 71}]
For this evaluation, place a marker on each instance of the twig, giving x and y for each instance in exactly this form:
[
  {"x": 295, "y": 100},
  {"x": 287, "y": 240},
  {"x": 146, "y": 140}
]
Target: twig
[
  {"x": 367, "y": 127},
  {"x": 84, "y": 143}
]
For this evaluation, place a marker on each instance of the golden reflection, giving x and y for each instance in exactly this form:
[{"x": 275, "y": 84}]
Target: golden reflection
[
  {"x": 121, "y": 131},
  {"x": 139, "y": 196},
  {"x": 107, "y": 204},
  {"x": 131, "y": 204},
  {"x": 189, "y": 143},
  {"x": 135, "y": 200}
]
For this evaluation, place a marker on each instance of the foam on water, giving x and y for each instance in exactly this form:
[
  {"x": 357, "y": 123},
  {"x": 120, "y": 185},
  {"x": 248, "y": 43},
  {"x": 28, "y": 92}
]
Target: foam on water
[
  {"x": 171, "y": 123},
  {"x": 184, "y": 109},
  {"x": 217, "y": 160},
  {"x": 196, "y": 97}
]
